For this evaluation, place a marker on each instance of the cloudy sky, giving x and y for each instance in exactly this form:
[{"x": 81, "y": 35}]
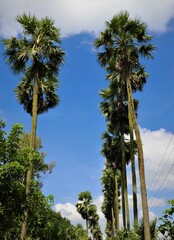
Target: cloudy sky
[{"x": 71, "y": 132}]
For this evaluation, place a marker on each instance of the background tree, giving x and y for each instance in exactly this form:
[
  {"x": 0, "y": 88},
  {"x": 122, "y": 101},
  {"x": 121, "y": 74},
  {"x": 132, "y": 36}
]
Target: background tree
[
  {"x": 14, "y": 164},
  {"x": 39, "y": 56},
  {"x": 12, "y": 171}
]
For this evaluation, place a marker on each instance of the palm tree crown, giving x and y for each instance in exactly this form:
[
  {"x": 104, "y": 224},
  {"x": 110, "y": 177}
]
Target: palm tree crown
[{"x": 37, "y": 46}]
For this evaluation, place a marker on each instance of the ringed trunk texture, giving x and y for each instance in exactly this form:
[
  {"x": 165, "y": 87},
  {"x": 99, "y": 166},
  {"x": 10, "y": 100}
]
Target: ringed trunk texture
[
  {"x": 134, "y": 181},
  {"x": 32, "y": 145},
  {"x": 140, "y": 162}
]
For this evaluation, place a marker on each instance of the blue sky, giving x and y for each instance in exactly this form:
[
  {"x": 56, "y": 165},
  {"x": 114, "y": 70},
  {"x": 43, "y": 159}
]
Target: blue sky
[{"x": 71, "y": 132}]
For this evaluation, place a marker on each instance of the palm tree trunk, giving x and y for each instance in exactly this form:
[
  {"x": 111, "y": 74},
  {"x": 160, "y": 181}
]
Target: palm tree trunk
[
  {"x": 124, "y": 179},
  {"x": 32, "y": 145},
  {"x": 92, "y": 231},
  {"x": 116, "y": 203},
  {"x": 127, "y": 225},
  {"x": 140, "y": 162},
  {"x": 134, "y": 182},
  {"x": 87, "y": 226},
  {"x": 113, "y": 219},
  {"x": 123, "y": 198},
  {"x": 127, "y": 202},
  {"x": 34, "y": 116}
]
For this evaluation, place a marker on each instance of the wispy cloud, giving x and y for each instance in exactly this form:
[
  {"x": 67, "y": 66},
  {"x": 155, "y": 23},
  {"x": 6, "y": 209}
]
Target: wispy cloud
[{"x": 74, "y": 16}]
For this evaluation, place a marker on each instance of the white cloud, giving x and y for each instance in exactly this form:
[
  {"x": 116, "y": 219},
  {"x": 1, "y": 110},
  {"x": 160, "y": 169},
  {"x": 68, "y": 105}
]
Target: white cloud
[
  {"x": 75, "y": 16},
  {"x": 68, "y": 210}
]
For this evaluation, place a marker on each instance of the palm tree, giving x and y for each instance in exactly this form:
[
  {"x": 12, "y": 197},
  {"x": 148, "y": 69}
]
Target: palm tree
[
  {"x": 110, "y": 191},
  {"x": 83, "y": 205},
  {"x": 124, "y": 42},
  {"x": 117, "y": 89},
  {"x": 115, "y": 111},
  {"x": 93, "y": 222},
  {"x": 88, "y": 211},
  {"x": 38, "y": 55}
]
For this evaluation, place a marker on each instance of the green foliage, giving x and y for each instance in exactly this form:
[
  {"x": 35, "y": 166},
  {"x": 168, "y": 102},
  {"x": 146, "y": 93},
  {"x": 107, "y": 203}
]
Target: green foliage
[
  {"x": 44, "y": 223},
  {"x": 139, "y": 229},
  {"x": 12, "y": 173},
  {"x": 125, "y": 234},
  {"x": 137, "y": 233},
  {"x": 14, "y": 163},
  {"x": 167, "y": 225}
]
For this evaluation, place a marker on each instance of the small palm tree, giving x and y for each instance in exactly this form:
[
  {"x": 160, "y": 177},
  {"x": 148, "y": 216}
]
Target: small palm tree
[{"x": 83, "y": 205}]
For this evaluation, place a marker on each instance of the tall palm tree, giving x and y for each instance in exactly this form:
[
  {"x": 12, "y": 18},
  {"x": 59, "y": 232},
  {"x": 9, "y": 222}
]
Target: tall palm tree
[
  {"x": 114, "y": 108},
  {"x": 124, "y": 42},
  {"x": 38, "y": 55},
  {"x": 115, "y": 112}
]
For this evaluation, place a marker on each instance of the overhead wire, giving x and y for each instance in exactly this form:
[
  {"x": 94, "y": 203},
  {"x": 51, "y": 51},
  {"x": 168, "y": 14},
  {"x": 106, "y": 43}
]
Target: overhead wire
[
  {"x": 154, "y": 176},
  {"x": 171, "y": 179},
  {"x": 160, "y": 187}
]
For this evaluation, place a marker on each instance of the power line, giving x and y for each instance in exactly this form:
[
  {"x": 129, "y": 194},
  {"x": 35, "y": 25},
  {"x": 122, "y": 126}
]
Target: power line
[
  {"x": 168, "y": 180},
  {"x": 154, "y": 176},
  {"x": 163, "y": 180},
  {"x": 165, "y": 165}
]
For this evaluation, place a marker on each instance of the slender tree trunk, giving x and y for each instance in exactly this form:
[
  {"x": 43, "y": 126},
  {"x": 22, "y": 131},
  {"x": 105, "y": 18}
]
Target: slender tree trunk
[
  {"x": 127, "y": 201},
  {"x": 32, "y": 145},
  {"x": 92, "y": 231},
  {"x": 140, "y": 162},
  {"x": 125, "y": 183},
  {"x": 134, "y": 182},
  {"x": 87, "y": 226},
  {"x": 123, "y": 196},
  {"x": 116, "y": 203}
]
